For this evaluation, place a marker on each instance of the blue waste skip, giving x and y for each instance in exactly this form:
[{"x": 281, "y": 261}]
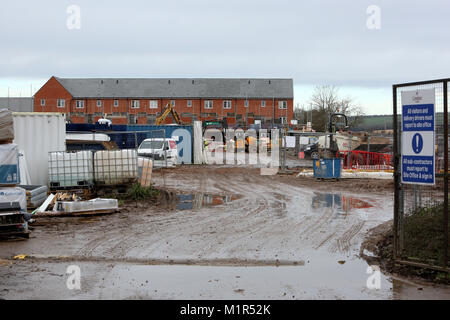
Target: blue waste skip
[{"x": 327, "y": 168}]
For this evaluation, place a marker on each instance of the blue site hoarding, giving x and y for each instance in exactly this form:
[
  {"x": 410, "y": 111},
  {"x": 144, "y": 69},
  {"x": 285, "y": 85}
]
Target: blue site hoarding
[
  {"x": 418, "y": 137},
  {"x": 128, "y": 139}
]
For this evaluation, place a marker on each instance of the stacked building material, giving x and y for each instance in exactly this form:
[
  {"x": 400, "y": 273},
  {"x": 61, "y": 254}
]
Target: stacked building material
[
  {"x": 6, "y": 126},
  {"x": 9, "y": 152},
  {"x": 9, "y": 163},
  {"x": 66, "y": 204},
  {"x": 14, "y": 194},
  {"x": 35, "y": 195}
]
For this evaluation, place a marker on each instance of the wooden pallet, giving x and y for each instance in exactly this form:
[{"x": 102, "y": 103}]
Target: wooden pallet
[{"x": 84, "y": 193}]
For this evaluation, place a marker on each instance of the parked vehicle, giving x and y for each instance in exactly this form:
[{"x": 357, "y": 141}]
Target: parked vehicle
[
  {"x": 312, "y": 151},
  {"x": 159, "y": 149}
]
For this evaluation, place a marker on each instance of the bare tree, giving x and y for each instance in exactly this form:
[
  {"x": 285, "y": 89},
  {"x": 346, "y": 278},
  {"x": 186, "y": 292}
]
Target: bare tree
[{"x": 325, "y": 100}]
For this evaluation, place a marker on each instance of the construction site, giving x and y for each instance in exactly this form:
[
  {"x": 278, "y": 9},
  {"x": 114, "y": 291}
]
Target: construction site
[
  {"x": 212, "y": 209},
  {"x": 224, "y": 159}
]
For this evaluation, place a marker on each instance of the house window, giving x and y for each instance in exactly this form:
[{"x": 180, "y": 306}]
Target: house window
[
  {"x": 116, "y": 103},
  {"x": 263, "y": 103},
  {"x": 135, "y": 104},
  {"x": 80, "y": 104},
  {"x": 99, "y": 103},
  {"x": 189, "y": 103},
  {"x": 42, "y": 102},
  {"x": 173, "y": 102},
  {"x": 153, "y": 104},
  {"x": 282, "y": 104},
  {"x": 227, "y": 104},
  {"x": 283, "y": 120},
  {"x": 246, "y": 103},
  {"x": 60, "y": 103},
  {"x": 208, "y": 104}
]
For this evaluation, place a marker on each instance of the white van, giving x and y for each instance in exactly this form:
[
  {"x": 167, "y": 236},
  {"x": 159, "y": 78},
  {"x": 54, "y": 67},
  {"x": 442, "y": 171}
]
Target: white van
[{"x": 159, "y": 149}]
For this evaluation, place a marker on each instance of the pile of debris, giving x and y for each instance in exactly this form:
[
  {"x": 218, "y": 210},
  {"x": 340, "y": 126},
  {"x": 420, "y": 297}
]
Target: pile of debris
[{"x": 63, "y": 204}]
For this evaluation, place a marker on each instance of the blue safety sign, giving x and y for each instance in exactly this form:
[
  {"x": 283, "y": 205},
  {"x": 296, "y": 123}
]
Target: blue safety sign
[
  {"x": 417, "y": 143},
  {"x": 418, "y": 137}
]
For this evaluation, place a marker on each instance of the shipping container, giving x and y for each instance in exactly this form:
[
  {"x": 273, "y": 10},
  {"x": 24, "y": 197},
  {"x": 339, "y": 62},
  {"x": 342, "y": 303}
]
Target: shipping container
[{"x": 37, "y": 134}]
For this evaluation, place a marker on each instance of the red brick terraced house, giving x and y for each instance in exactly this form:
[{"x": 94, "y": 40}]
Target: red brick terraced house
[{"x": 141, "y": 101}]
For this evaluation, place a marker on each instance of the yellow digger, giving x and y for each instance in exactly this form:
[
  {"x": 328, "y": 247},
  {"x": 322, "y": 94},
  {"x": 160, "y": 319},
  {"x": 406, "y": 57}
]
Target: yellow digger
[{"x": 168, "y": 109}]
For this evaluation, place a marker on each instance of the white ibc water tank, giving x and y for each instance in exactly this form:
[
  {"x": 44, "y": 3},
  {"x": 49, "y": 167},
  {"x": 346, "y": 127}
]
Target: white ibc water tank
[
  {"x": 115, "y": 167},
  {"x": 68, "y": 169}
]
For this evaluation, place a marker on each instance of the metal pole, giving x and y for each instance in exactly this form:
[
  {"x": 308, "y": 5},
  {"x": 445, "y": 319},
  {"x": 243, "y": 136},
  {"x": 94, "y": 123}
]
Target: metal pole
[
  {"x": 445, "y": 213},
  {"x": 415, "y": 197},
  {"x": 284, "y": 151},
  {"x": 396, "y": 171}
]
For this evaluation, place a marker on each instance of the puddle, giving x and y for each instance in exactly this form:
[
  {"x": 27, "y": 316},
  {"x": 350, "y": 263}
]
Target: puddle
[
  {"x": 200, "y": 200},
  {"x": 340, "y": 203},
  {"x": 321, "y": 278}
]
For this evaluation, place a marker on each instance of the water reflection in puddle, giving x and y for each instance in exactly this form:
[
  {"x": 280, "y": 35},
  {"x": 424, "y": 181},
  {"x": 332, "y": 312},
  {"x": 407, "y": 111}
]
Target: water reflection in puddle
[
  {"x": 199, "y": 200},
  {"x": 342, "y": 204}
]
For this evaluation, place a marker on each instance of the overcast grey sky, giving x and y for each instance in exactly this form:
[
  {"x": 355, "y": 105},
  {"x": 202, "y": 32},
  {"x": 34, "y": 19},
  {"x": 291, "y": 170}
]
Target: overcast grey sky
[{"x": 314, "y": 42}]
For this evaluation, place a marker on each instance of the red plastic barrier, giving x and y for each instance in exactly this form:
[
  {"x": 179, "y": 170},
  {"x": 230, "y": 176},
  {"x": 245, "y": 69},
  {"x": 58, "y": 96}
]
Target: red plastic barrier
[{"x": 364, "y": 160}]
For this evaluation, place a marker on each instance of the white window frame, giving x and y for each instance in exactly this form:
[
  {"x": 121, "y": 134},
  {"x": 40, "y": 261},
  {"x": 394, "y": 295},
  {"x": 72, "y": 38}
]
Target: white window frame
[
  {"x": 42, "y": 102},
  {"x": 79, "y": 104},
  {"x": 246, "y": 104},
  {"x": 60, "y": 103},
  {"x": 153, "y": 104},
  {"x": 227, "y": 104},
  {"x": 172, "y": 102},
  {"x": 135, "y": 104},
  {"x": 282, "y": 104},
  {"x": 116, "y": 103},
  {"x": 208, "y": 104},
  {"x": 99, "y": 104},
  {"x": 189, "y": 103},
  {"x": 263, "y": 103}
]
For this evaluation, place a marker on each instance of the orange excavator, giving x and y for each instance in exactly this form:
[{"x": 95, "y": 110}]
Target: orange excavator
[{"x": 168, "y": 109}]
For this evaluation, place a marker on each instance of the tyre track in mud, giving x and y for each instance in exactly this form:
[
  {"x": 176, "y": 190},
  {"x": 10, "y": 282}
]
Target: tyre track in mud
[
  {"x": 250, "y": 208},
  {"x": 268, "y": 221},
  {"x": 308, "y": 229},
  {"x": 284, "y": 231},
  {"x": 342, "y": 243}
]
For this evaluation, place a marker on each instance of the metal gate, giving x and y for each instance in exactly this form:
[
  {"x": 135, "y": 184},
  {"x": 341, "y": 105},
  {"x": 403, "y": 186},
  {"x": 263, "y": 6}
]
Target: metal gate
[{"x": 421, "y": 211}]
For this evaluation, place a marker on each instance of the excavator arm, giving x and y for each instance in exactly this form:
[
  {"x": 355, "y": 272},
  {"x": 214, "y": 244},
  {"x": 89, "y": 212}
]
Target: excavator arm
[{"x": 168, "y": 109}]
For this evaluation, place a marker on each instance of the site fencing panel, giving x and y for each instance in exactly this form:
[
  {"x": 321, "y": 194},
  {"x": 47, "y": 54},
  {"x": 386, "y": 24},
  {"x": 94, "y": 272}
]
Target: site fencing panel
[
  {"x": 421, "y": 211},
  {"x": 103, "y": 159},
  {"x": 125, "y": 136}
]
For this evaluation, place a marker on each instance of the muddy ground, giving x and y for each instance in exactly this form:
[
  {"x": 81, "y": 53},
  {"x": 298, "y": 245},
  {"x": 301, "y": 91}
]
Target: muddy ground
[{"x": 232, "y": 234}]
